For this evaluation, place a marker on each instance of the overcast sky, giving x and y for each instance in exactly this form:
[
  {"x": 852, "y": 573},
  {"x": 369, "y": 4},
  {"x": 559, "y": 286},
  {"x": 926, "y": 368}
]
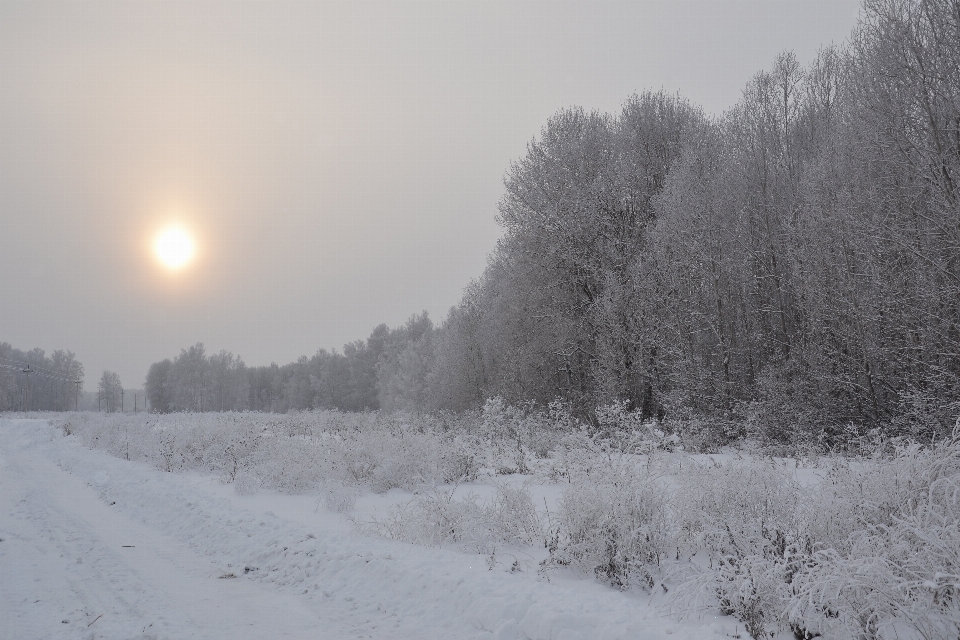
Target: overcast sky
[{"x": 339, "y": 163}]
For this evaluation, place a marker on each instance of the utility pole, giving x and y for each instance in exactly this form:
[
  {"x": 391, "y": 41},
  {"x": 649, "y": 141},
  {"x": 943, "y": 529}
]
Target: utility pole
[
  {"x": 121, "y": 399},
  {"x": 134, "y": 403},
  {"x": 26, "y": 385},
  {"x": 77, "y": 404}
]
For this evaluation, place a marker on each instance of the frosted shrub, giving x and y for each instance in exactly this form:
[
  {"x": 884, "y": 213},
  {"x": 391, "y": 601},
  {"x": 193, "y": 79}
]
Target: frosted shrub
[
  {"x": 233, "y": 449},
  {"x": 110, "y": 434},
  {"x": 337, "y": 497},
  {"x": 871, "y": 550},
  {"x": 741, "y": 525},
  {"x": 897, "y": 574},
  {"x": 292, "y": 453},
  {"x": 626, "y": 431},
  {"x": 385, "y": 463},
  {"x": 514, "y": 517},
  {"x": 359, "y": 461},
  {"x": 879, "y": 489},
  {"x": 290, "y": 465},
  {"x": 516, "y": 438},
  {"x": 407, "y": 466},
  {"x": 581, "y": 452},
  {"x": 458, "y": 459},
  {"x": 578, "y": 455},
  {"x": 737, "y": 507},
  {"x": 503, "y": 427},
  {"x": 436, "y": 518},
  {"x": 545, "y": 429},
  {"x": 140, "y": 438},
  {"x": 699, "y": 433},
  {"x": 612, "y": 523},
  {"x": 247, "y": 482},
  {"x": 922, "y": 416}
]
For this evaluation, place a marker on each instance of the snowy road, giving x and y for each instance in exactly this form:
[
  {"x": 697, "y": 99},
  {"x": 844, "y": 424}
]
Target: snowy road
[
  {"x": 68, "y": 557},
  {"x": 98, "y": 547}
]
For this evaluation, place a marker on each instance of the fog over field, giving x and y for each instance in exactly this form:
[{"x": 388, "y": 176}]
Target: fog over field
[{"x": 510, "y": 321}]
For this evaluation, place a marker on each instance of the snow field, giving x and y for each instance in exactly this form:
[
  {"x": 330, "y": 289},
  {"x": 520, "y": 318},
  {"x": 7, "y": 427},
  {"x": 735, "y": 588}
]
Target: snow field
[
  {"x": 852, "y": 547},
  {"x": 355, "y": 584}
]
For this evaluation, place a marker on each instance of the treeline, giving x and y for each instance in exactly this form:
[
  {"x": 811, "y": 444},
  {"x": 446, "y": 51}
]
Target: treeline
[
  {"x": 361, "y": 378},
  {"x": 49, "y": 385},
  {"x": 790, "y": 267}
]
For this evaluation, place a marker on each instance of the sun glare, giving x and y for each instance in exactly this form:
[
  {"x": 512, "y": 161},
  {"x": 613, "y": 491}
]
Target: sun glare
[{"x": 174, "y": 247}]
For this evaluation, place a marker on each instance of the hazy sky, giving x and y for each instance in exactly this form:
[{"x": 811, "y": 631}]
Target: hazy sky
[{"x": 338, "y": 162}]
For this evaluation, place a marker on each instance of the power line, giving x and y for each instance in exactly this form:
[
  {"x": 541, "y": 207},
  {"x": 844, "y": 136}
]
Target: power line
[
  {"x": 48, "y": 392},
  {"x": 39, "y": 373},
  {"x": 28, "y": 364},
  {"x": 35, "y": 366}
]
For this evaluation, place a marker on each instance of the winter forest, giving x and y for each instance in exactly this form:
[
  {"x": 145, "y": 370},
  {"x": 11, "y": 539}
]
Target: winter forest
[{"x": 783, "y": 272}]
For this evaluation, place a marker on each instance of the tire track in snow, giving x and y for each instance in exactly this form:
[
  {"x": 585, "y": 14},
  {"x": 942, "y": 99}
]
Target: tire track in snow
[{"x": 63, "y": 559}]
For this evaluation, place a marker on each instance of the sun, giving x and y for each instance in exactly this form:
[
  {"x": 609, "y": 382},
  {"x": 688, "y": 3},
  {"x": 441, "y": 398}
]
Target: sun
[{"x": 174, "y": 247}]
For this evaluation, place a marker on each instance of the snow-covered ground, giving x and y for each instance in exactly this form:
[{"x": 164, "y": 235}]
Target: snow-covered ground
[{"x": 98, "y": 547}]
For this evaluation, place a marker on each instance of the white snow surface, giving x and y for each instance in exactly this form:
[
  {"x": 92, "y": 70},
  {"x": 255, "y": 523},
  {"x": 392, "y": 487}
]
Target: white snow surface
[{"x": 98, "y": 547}]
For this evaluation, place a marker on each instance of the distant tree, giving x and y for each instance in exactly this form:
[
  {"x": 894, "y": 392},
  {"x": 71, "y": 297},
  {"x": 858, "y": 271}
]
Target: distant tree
[
  {"x": 191, "y": 383},
  {"x": 298, "y": 392},
  {"x": 363, "y": 359},
  {"x": 403, "y": 366},
  {"x": 110, "y": 390},
  {"x": 457, "y": 378},
  {"x": 227, "y": 382},
  {"x": 64, "y": 390},
  {"x": 159, "y": 386}
]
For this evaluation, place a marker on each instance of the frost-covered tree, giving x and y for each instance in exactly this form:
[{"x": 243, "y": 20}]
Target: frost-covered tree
[
  {"x": 111, "y": 392},
  {"x": 159, "y": 386},
  {"x": 190, "y": 374},
  {"x": 404, "y": 365}
]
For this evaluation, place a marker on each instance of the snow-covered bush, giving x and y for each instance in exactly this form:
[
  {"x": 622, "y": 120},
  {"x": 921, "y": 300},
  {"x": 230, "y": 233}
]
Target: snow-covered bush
[
  {"x": 504, "y": 426},
  {"x": 698, "y": 432},
  {"x": 516, "y": 438},
  {"x": 289, "y": 464},
  {"x": 435, "y": 517},
  {"x": 897, "y": 572},
  {"x": 867, "y": 546},
  {"x": 871, "y": 551},
  {"x": 459, "y": 458},
  {"x": 628, "y": 432},
  {"x": 922, "y": 416},
  {"x": 612, "y": 523},
  {"x": 338, "y": 497},
  {"x": 741, "y": 523},
  {"x": 577, "y": 455},
  {"x": 235, "y": 447},
  {"x": 292, "y": 453}
]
